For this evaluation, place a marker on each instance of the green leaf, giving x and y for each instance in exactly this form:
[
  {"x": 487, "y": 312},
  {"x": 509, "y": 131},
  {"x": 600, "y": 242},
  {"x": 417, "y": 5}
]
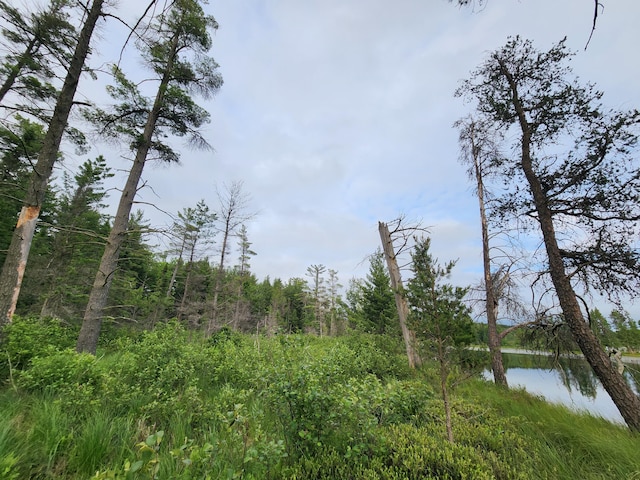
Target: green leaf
[{"x": 136, "y": 466}]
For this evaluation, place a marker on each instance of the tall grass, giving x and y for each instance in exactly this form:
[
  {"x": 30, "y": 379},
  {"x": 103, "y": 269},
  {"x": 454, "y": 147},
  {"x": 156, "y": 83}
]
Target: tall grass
[
  {"x": 568, "y": 444},
  {"x": 10, "y": 446},
  {"x": 101, "y": 440},
  {"x": 47, "y": 437}
]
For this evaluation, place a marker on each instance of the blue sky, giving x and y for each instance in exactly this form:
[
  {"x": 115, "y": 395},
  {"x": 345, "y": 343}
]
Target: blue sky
[{"x": 337, "y": 114}]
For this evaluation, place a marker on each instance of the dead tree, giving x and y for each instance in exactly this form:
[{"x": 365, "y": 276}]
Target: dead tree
[{"x": 387, "y": 237}]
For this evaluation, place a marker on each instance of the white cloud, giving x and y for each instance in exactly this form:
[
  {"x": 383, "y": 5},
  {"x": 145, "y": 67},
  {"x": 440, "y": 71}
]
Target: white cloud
[{"x": 339, "y": 114}]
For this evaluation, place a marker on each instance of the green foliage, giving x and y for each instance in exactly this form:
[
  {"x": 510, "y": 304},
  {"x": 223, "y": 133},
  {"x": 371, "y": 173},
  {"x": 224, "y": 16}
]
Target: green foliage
[
  {"x": 441, "y": 320},
  {"x": 407, "y": 451},
  {"x": 75, "y": 379},
  {"x": 167, "y": 404},
  {"x": 438, "y": 314},
  {"x": 580, "y": 160},
  {"x": 59, "y": 275},
  {"x": 332, "y": 400},
  {"x": 145, "y": 466},
  {"x": 34, "y": 42},
  {"x": 175, "y": 51},
  {"x": 627, "y": 333},
  {"x": 160, "y": 375},
  {"x": 371, "y": 303},
  {"x": 26, "y": 338},
  {"x": 415, "y": 455},
  {"x": 19, "y": 146}
]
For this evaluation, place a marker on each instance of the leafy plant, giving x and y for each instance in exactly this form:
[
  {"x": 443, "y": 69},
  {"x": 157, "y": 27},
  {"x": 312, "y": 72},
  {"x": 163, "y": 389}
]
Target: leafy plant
[{"x": 26, "y": 338}]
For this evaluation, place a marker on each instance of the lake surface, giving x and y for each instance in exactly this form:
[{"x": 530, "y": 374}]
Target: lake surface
[{"x": 570, "y": 382}]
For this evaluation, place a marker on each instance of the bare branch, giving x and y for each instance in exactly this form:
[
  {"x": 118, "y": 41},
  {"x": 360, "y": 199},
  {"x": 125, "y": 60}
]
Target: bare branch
[{"x": 597, "y": 5}]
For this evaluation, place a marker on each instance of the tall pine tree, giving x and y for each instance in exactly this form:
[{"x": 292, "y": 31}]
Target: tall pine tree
[{"x": 175, "y": 50}]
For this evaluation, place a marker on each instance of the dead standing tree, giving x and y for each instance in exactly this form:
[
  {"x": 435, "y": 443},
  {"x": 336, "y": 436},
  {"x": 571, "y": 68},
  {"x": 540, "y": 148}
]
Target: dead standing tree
[
  {"x": 232, "y": 215},
  {"x": 403, "y": 234},
  {"x": 478, "y": 145}
]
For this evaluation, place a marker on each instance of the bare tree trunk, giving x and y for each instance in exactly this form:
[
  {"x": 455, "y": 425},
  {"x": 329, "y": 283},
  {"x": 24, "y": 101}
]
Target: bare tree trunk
[
  {"x": 494, "y": 339},
  {"x": 98, "y": 298},
  {"x": 174, "y": 274},
  {"x": 401, "y": 301},
  {"x": 623, "y": 396},
  {"x": 217, "y": 286},
  {"x": 233, "y": 203},
  {"x": 18, "y": 252},
  {"x": 213, "y": 321},
  {"x": 185, "y": 292}
]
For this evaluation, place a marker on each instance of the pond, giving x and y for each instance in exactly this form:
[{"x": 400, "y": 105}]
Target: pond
[{"x": 570, "y": 381}]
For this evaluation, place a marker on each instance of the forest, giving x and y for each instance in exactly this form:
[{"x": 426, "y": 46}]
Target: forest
[{"x": 123, "y": 357}]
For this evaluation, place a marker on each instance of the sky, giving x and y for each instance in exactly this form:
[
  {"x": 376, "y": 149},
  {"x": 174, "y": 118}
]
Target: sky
[{"x": 337, "y": 114}]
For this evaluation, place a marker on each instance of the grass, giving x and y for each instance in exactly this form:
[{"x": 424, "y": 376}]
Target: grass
[{"x": 568, "y": 444}]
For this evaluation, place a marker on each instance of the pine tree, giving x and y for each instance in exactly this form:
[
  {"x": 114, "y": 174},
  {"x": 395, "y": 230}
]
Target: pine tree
[
  {"x": 77, "y": 238},
  {"x": 378, "y": 303},
  {"x": 175, "y": 51},
  {"x": 35, "y": 43},
  {"x": 574, "y": 180},
  {"x": 438, "y": 315}
]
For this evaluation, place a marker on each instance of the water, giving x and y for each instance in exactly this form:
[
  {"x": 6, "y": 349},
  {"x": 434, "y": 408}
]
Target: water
[{"x": 571, "y": 382}]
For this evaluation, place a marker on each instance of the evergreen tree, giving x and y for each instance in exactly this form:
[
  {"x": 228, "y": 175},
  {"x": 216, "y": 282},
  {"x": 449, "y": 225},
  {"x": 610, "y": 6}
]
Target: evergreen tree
[
  {"x": 175, "y": 49},
  {"x": 574, "y": 180},
  {"x": 317, "y": 291},
  {"x": 231, "y": 216},
  {"x": 378, "y": 303},
  {"x": 18, "y": 252},
  {"x": 19, "y": 146},
  {"x": 244, "y": 247},
  {"x": 194, "y": 230},
  {"x": 441, "y": 320},
  {"x": 35, "y": 43},
  {"x": 601, "y": 327},
  {"x": 295, "y": 316},
  {"x": 77, "y": 238},
  {"x": 242, "y": 271}
]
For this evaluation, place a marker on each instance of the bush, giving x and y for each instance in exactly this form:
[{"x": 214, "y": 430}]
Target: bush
[
  {"x": 74, "y": 378},
  {"x": 27, "y": 338},
  {"x": 161, "y": 376}
]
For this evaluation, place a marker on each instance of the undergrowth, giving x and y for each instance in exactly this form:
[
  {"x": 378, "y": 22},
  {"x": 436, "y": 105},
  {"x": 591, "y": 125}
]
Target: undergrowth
[{"x": 168, "y": 404}]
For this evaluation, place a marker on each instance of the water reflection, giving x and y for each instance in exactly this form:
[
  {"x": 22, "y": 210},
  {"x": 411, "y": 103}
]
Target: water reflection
[{"x": 569, "y": 381}]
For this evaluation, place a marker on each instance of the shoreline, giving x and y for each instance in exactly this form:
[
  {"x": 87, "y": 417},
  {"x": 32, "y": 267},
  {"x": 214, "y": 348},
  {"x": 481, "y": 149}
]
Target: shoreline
[{"x": 523, "y": 351}]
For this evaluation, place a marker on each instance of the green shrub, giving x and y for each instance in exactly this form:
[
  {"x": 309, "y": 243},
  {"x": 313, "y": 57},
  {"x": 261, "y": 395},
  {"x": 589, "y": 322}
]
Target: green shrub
[
  {"x": 402, "y": 402},
  {"x": 406, "y": 452},
  {"x": 160, "y": 376},
  {"x": 380, "y": 355},
  {"x": 32, "y": 337},
  {"x": 74, "y": 379},
  {"x": 415, "y": 454}
]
